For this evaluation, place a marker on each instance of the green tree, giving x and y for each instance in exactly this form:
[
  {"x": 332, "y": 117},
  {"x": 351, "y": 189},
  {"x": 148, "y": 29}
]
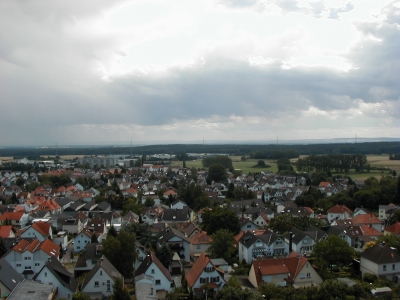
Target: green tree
[
  {"x": 164, "y": 254},
  {"x": 281, "y": 224},
  {"x": 111, "y": 232},
  {"x": 149, "y": 202},
  {"x": 121, "y": 252},
  {"x": 261, "y": 163},
  {"x": 119, "y": 292},
  {"x": 93, "y": 238},
  {"x": 333, "y": 289},
  {"x": 332, "y": 251},
  {"x": 3, "y": 248},
  {"x": 394, "y": 217},
  {"x": 222, "y": 245},
  {"x": 269, "y": 290},
  {"x": 217, "y": 173},
  {"x": 220, "y": 218},
  {"x": 80, "y": 296},
  {"x": 391, "y": 240},
  {"x": 142, "y": 232}
]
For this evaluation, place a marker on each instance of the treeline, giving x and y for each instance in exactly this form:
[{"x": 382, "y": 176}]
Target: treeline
[
  {"x": 337, "y": 162},
  {"x": 277, "y": 154},
  {"x": 232, "y": 149},
  {"x": 219, "y": 159}
]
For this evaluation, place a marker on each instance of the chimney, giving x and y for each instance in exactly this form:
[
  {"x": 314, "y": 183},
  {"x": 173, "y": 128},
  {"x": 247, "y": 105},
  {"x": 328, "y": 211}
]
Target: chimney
[{"x": 290, "y": 241}]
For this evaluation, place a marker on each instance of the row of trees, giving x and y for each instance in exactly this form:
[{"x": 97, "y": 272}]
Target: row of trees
[
  {"x": 269, "y": 154},
  {"x": 337, "y": 162}
]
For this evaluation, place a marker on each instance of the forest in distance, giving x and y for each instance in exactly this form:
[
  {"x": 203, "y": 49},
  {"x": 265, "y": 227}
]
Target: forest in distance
[{"x": 256, "y": 151}]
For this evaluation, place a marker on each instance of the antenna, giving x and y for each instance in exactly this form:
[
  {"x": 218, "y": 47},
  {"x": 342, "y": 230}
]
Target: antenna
[
  {"x": 131, "y": 149},
  {"x": 355, "y": 138},
  {"x": 56, "y": 149}
]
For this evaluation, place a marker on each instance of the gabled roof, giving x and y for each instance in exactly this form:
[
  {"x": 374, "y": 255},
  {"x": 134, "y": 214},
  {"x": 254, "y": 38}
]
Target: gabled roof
[
  {"x": 291, "y": 266},
  {"x": 149, "y": 259},
  {"x": 42, "y": 227},
  {"x": 107, "y": 266},
  {"x": 200, "y": 237},
  {"x": 168, "y": 233},
  {"x": 250, "y": 237},
  {"x": 366, "y": 219},
  {"x": 395, "y": 228},
  {"x": 8, "y": 276},
  {"x": 63, "y": 276},
  {"x": 340, "y": 209},
  {"x": 5, "y": 231},
  {"x": 369, "y": 230},
  {"x": 198, "y": 267},
  {"x": 48, "y": 246},
  {"x": 381, "y": 254}
]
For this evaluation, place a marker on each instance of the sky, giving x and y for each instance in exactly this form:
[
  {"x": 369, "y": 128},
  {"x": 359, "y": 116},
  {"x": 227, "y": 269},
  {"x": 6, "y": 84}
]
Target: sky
[{"x": 155, "y": 71}]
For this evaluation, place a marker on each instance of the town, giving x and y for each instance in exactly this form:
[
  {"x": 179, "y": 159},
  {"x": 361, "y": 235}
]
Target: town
[{"x": 157, "y": 227}]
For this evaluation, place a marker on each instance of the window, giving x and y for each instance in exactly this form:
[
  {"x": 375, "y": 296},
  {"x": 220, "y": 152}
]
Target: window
[
  {"x": 101, "y": 273},
  {"x": 45, "y": 274},
  {"x": 37, "y": 264},
  {"x": 215, "y": 279},
  {"x": 96, "y": 284},
  {"x": 279, "y": 242},
  {"x": 308, "y": 275},
  {"x": 198, "y": 247},
  {"x": 384, "y": 267},
  {"x": 302, "y": 276},
  {"x": 78, "y": 247},
  {"x": 140, "y": 258},
  {"x": 158, "y": 281},
  {"x": 108, "y": 286},
  {"x": 28, "y": 258},
  {"x": 152, "y": 271},
  {"x": 203, "y": 280},
  {"x": 248, "y": 225},
  {"x": 28, "y": 268},
  {"x": 393, "y": 267},
  {"x": 18, "y": 265}
]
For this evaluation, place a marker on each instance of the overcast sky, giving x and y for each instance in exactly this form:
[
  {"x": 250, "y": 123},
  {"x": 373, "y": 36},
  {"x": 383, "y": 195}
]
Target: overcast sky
[{"x": 98, "y": 71}]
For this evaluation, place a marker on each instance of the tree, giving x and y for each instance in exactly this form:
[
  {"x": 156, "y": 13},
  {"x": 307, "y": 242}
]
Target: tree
[
  {"x": 220, "y": 218},
  {"x": 3, "y": 248},
  {"x": 121, "y": 252},
  {"x": 111, "y": 232},
  {"x": 261, "y": 163},
  {"x": 60, "y": 256},
  {"x": 333, "y": 289},
  {"x": 119, "y": 293},
  {"x": 269, "y": 290},
  {"x": 93, "y": 238},
  {"x": 217, "y": 173},
  {"x": 391, "y": 240},
  {"x": 149, "y": 202},
  {"x": 281, "y": 224},
  {"x": 164, "y": 254},
  {"x": 333, "y": 251},
  {"x": 222, "y": 245},
  {"x": 143, "y": 233},
  {"x": 80, "y": 296}
]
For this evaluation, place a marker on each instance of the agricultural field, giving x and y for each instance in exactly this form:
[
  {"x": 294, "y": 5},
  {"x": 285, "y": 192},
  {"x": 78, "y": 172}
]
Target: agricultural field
[{"x": 378, "y": 161}]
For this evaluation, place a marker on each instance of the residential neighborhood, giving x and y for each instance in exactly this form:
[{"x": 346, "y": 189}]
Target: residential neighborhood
[{"x": 66, "y": 225}]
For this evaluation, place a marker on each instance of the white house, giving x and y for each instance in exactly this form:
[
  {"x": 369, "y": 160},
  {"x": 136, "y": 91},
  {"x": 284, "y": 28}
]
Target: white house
[
  {"x": 28, "y": 258},
  {"x": 54, "y": 273},
  {"x": 380, "y": 260},
  {"x": 100, "y": 280},
  {"x": 84, "y": 237},
  {"x": 202, "y": 272},
  {"x": 176, "y": 241},
  {"x": 39, "y": 230},
  {"x": 153, "y": 268}
]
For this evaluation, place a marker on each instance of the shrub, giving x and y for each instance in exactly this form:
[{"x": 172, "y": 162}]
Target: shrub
[{"x": 369, "y": 277}]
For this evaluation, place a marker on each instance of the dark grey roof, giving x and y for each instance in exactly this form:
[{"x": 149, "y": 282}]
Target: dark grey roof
[
  {"x": 63, "y": 201},
  {"x": 177, "y": 215},
  {"x": 297, "y": 236},
  {"x": 105, "y": 264},
  {"x": 63, "y": 276},
  {"x": 32, "y": 290},
  {"x": 168, "y": 233},
  {"x": 77, "y": 205},
  {"x": 249, "y": 238},
  {"x": 149, "y": 259},
  {"x": 381, "y": 254},
  {"x": 103, "y": 206},
  {"x": 315, "y": 233},
  {"x": 92, "y": 252},
  {"x": 8, "y": 276}
]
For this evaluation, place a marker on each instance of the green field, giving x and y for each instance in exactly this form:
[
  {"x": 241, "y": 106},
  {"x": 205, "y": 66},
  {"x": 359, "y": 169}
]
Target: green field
[{"x": 378, "y": 161}]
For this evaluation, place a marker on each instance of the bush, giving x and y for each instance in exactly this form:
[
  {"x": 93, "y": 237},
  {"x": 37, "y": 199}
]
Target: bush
[{"x": 369, "y": 277}]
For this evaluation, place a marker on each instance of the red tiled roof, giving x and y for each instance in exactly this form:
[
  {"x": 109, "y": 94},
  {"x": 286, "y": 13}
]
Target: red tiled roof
[
  {"x": 291, "y": 265},
  {"x": 47, "y": 246},
  {"x": 5, "y": 231},
  {"x": 366, "y": 219},
  {"x": 14, "y": 216},
  {"x": 340, "y": 209},
  {"x": 395, "y": 228},
  {"x": 198, "y": 268},
  {"x": 42, "y": 227},
  {"x": 200, "y": 238}
]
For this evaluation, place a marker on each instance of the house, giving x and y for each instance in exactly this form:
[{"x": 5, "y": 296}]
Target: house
[
  {"x": 339, "y": 212},
  {"x": 178, "y": 215},
  {"x": 393, "y": 229},
  {"x": 54, "y": 273},
  {"x": 9, "y": 278},
  {"x": 99, "y": 281},
  {"x": 178, "y": 204},
  {"x": 204, "y": 272},
  {"x": 39, "y": 230},
  {"x": 380, "y": 260},
  {"x": 303, "y": 241},
  {"x": 88, "y": 259},
  {"x": 294, "y": 270},
  {"x": 254, "y": 245},
  {"x": 141, "y": 252},
  {"x": 152, "y": 268},
  {"x": 31, "y": 289},
  {"x": 18, "y": 219},
  {"x": 82, "y": 239},
  {"x": 199, "y": 243},
  {"x": 71, "y": 225},
  {"x": 6, "y": 232},
  {"x": 386, "y": 210},
  {"x": 247, "y": 224},
  {"x": 28, "y": 258},
  {"x": 176, "y": 241},
  {"x": 369, "y": 220}
]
